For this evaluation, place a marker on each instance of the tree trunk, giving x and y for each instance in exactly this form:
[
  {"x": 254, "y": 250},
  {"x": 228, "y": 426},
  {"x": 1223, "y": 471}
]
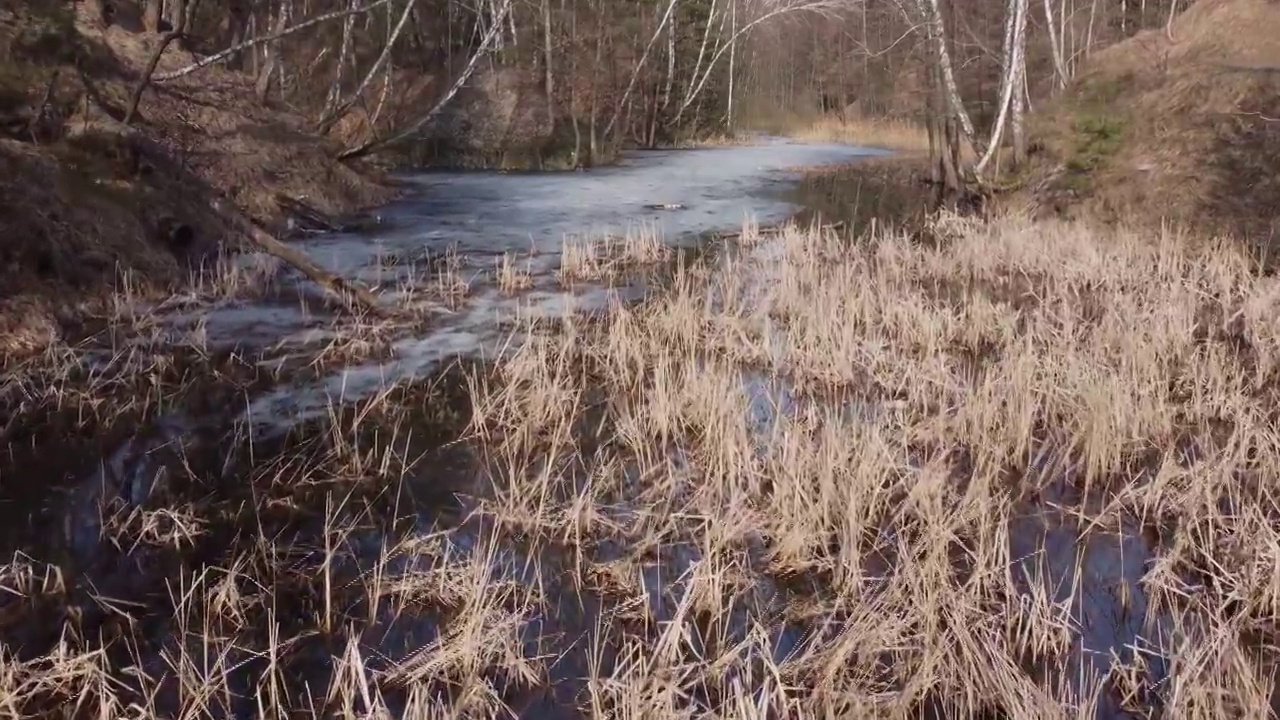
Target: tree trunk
[
  {"x": 932, "y": 13},
  {"x": 341, "y": 109},
  {"x": 335, "y": 89},
  {"x": 485, "y": 44},
  {"x": 269, "y": 65},
  {"x": 1056, "y": 50},
  {"x": 177, "y": 33},
  {"x": 145, "y": 80},
  {"x": 237, "y": 30},
  {"x": 593, "y": 142},
  {"x": 175, "y": 10},
  {"x": 1018, "y": 113},
  {"x": 733, "y": 30},
  {"x": 151, "y": 16},
  {"x": 635, "y": 73},
  {"x": 1011, "y": 75},
  {"x": 548, "y": 78}
]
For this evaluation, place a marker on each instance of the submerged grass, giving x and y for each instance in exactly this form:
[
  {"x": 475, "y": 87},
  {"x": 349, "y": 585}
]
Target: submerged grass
[{"x": 1025, "y": 471}]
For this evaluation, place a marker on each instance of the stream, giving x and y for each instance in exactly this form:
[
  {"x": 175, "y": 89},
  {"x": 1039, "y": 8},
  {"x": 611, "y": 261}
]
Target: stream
[{"x": 480, "y": 216}]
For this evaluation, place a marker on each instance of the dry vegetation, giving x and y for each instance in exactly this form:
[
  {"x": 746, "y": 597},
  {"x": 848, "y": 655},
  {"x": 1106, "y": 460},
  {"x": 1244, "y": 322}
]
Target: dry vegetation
[
  {"x": 596, "y": 259},
  {"x": 1174, "y": 126},
  {"x": 1025, "y": 471},
  {"x": 888, "y": 133}
]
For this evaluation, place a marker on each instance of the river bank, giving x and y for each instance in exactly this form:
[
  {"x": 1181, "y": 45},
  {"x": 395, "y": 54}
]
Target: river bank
[{"x": 103, "y": 199}]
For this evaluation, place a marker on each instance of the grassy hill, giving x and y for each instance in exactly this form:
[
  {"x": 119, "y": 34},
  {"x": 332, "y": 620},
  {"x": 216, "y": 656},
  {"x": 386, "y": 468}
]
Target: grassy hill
[{"x": 1181, "y": 126}]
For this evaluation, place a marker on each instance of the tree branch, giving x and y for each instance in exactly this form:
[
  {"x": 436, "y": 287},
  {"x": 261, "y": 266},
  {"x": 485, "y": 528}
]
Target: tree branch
[
  {"x": 224, "y": 54},
  {"x": 327, "y": 121},
  {"x": 365, "y": 149}
]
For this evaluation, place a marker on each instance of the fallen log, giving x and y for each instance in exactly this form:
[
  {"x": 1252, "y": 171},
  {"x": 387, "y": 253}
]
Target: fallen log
[{"x": 350, "y": 294}]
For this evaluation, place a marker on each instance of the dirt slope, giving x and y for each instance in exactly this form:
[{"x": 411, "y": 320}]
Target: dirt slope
[
  {"x": 85, "y": 200},
  {"x": 1182, "y": 127}
]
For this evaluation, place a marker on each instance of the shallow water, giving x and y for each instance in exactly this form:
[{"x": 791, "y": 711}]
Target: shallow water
[{"x": 481, "y": 216}]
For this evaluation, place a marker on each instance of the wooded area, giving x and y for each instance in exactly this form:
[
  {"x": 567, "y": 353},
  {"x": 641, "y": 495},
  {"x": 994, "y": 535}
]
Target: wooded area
[{"x": 579, "y": 79}]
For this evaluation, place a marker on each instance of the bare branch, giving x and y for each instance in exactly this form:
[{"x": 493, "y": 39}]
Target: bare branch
[
  {"x": 417, "y": 125},
  {"x": 341, "y": 108},
  {"x": 224, "y": 54}
]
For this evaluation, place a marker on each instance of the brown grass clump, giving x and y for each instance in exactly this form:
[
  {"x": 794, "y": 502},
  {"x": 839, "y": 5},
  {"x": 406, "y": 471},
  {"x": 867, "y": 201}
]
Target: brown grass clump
[
  {"x": 888, "y": 133},
  {"x": 977, "y": 478},
  {"x": 595, "y": 259},
  {"x": 512, "y": 278},
  {"x": 1024, "y": 471}
]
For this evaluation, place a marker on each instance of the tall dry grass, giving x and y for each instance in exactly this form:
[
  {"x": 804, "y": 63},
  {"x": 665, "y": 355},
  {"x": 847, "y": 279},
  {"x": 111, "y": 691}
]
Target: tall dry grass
[
  {"x": 1025, "y": 472},
  {"x": 887, "y": 133},
  {"x": 928, "y": 463}
]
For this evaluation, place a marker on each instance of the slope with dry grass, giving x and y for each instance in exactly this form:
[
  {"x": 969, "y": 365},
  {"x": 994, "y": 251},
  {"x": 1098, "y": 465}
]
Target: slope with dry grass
[
  {"x": 86, "y": 198},
  {"x": 1025, "y": 472},
  {"x": 1180, "y": 126}
]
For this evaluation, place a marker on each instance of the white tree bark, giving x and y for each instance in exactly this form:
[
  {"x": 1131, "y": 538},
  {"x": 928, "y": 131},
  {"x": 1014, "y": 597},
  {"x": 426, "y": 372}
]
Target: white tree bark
[
  {"x": 815, "y": 6},
  {"x": 496, "y": 29},
  {"x": 1056, "y": 49},
  {"x": 671, "y": 61},
  {"x": 702, "y": 50},
  {"x": 257, "y": 41},
  {"x": 932, "y": 15},
  {"x": 341, "y": 108},
  {"x": 1011, "y": 85},
  {"x": 335, "y": 90},
  {"x": 635, "y": 73},
  {"x": 733, "y": 27}
]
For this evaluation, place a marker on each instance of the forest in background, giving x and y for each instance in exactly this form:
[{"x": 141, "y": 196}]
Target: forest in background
[{"x": 577, "y": 79}]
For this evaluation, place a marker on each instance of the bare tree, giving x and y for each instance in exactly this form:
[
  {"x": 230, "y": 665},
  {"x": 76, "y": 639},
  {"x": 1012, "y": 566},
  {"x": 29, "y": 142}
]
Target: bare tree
[
  {"x": 341, "y": 108},
  {"x": 495, "y": 29},
  {"x": 267, "y": 75},
  {"x": 269, "y": 38},
  {"x": 175, "y": 34},
  {"x": 1011, "y": 82}
]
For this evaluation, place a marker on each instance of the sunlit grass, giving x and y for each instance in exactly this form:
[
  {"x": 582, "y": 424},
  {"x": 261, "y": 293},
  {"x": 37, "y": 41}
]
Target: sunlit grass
[{"x": 816, "y": 478}]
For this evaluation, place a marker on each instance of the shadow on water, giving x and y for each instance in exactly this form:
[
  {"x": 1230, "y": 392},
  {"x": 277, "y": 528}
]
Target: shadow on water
[{"x": 864, "y": 196}]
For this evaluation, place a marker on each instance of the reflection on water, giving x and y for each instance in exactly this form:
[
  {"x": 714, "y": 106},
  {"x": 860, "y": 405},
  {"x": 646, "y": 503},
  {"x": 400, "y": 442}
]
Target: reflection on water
[{"x": 1098, "y": 575}]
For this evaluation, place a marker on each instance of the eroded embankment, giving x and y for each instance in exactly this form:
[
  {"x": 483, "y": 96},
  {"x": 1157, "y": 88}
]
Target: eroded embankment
[{"x": 96, "y": 207}]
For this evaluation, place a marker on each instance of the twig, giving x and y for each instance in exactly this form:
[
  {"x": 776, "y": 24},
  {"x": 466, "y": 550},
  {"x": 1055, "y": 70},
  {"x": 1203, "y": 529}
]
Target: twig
[{"x": 1258, "y": 115}]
